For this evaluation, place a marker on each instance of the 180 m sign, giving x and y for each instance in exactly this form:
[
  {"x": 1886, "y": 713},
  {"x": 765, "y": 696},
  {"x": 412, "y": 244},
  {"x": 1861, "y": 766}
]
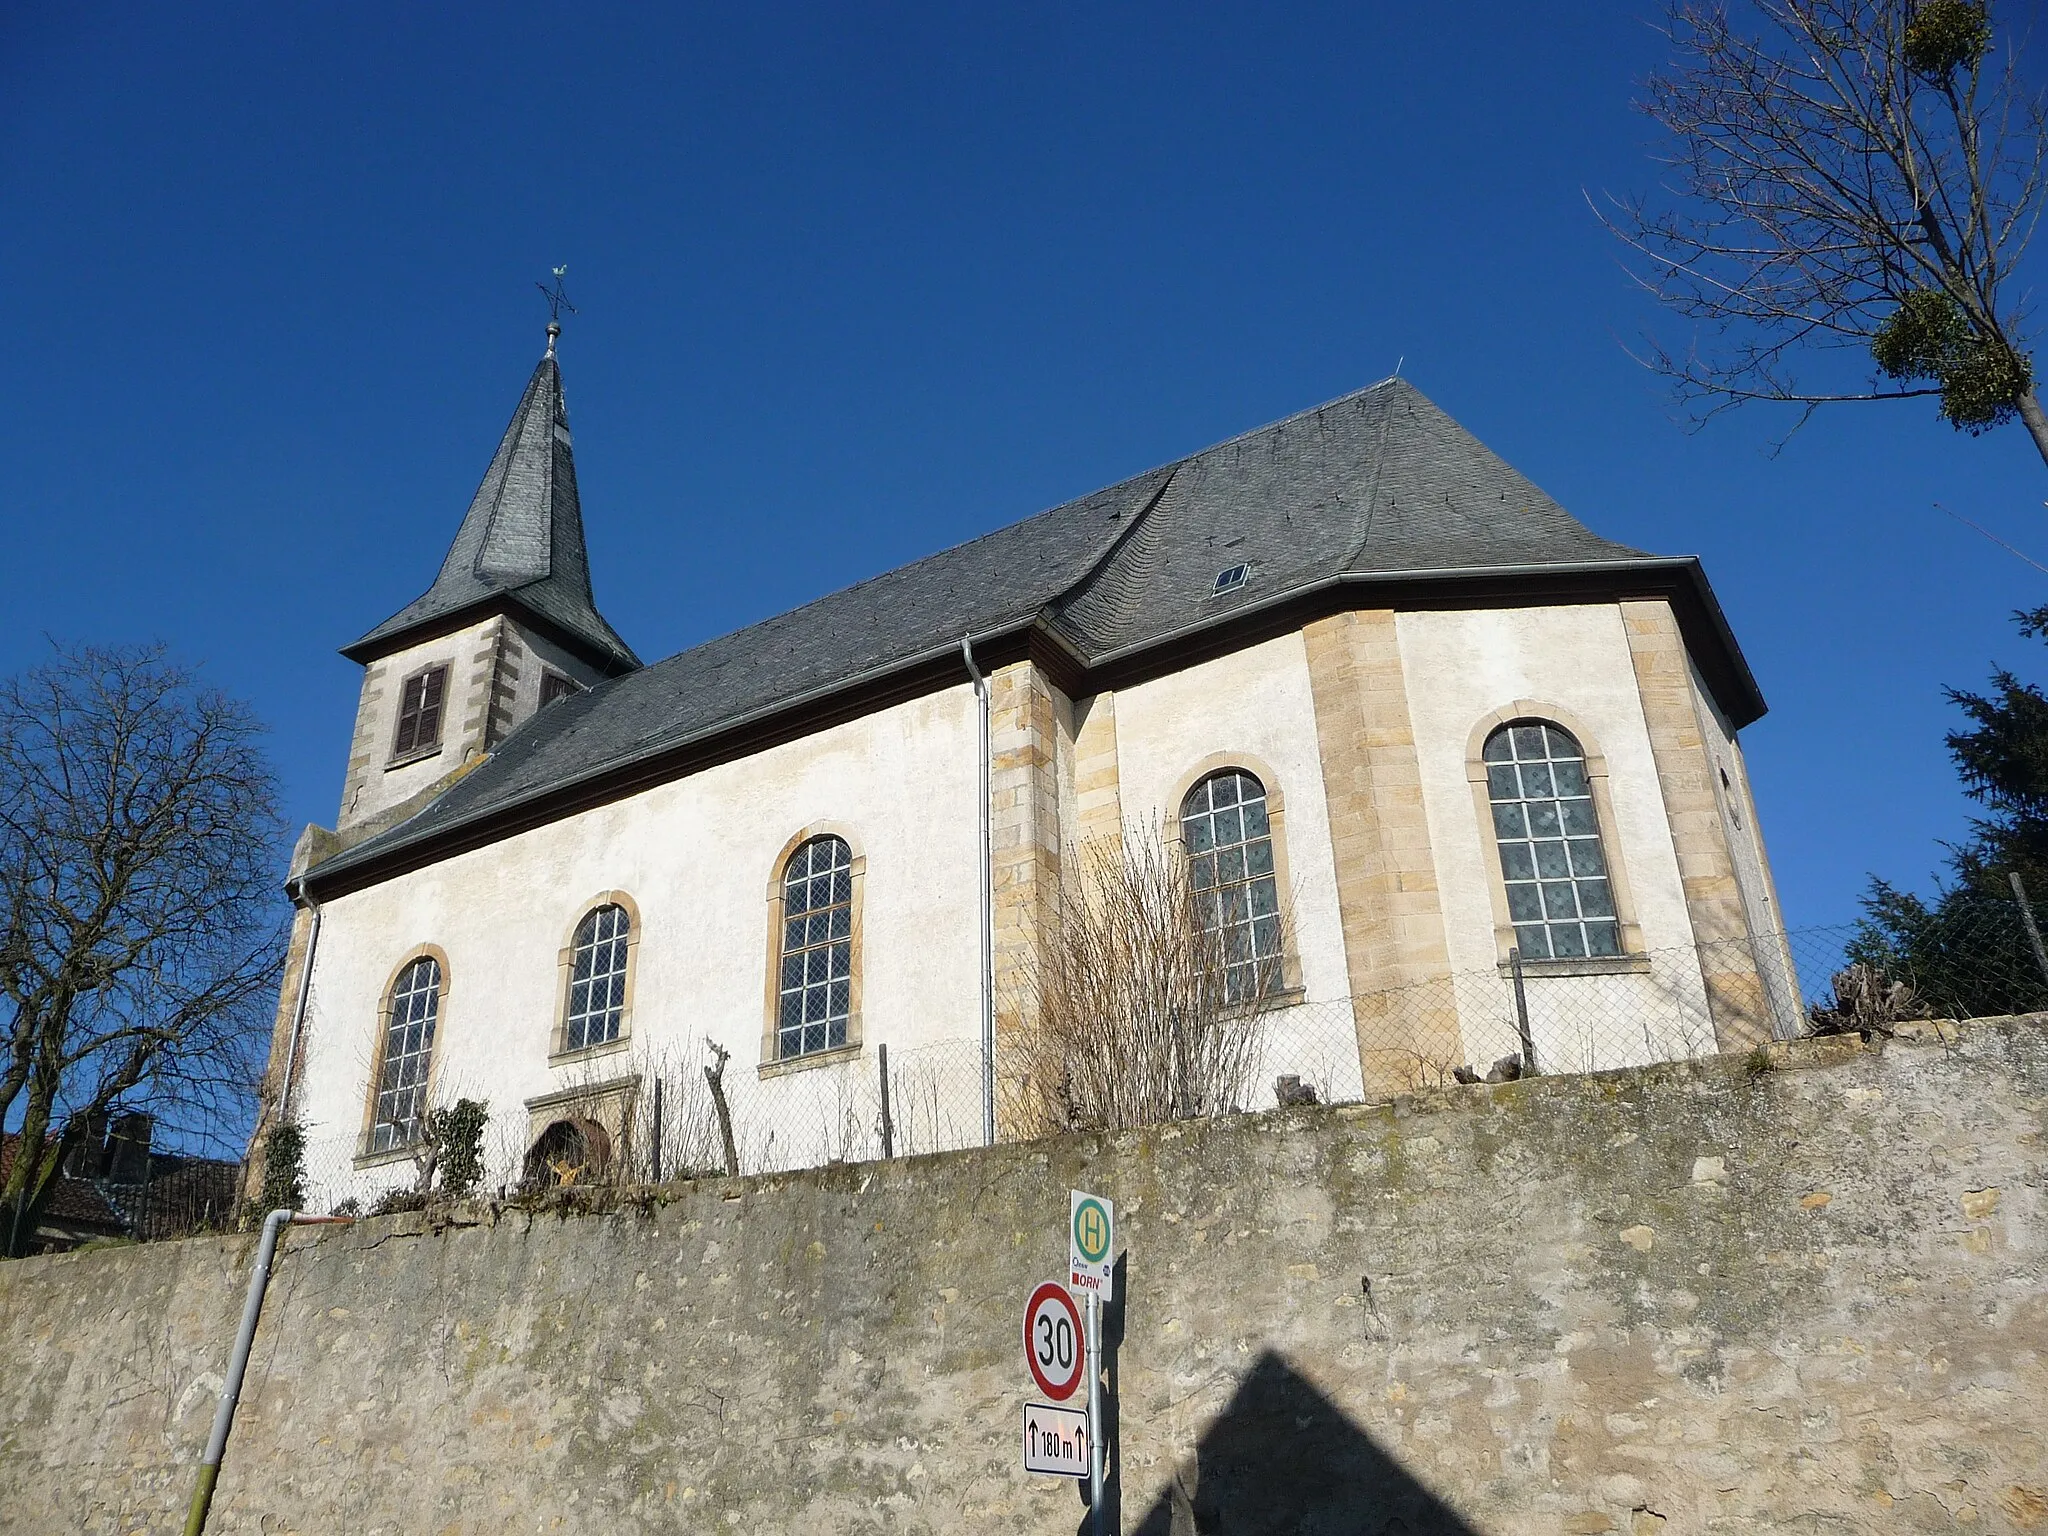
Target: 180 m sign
[{"x": 1055, "y": 1440}]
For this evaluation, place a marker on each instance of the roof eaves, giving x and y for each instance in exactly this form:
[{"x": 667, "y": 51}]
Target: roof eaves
[
  {"x": 1744, "y": 706},
  {"x": 624, "y": 765},
  {"x": 383, "y": 640},
  {"x": 1289, "y": 594},
  {"x": 1743, "y": 700}
]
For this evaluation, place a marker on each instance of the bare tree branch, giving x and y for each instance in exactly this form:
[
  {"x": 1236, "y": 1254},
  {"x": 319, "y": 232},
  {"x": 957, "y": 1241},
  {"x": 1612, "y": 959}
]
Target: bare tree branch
[
  {"x": 140, "y": 923},
  {"x": 1137, "y": 1012},
  {"x": 1842, "y": 176}
]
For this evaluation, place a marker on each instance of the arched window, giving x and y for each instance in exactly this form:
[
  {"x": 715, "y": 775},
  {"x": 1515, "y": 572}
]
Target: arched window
[
  {"x": 815, "y": 996},
  {"x": 598, "y": 957},
  {"x": 1229, "y": 841},
  {"x": 408, "y": 1050},
  {"x": 1559, "y": 896}
]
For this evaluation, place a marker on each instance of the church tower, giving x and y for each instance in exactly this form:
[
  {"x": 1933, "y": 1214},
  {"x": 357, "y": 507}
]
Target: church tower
[{"x": 509, "y": 625}]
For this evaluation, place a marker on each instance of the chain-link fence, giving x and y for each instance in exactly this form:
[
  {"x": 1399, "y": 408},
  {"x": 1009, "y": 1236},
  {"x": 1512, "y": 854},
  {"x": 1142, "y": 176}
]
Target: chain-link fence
[{"x": 648, "y": 1117}]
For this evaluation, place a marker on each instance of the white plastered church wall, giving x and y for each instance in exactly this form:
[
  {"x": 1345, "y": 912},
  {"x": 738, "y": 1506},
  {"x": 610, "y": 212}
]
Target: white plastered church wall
[
  {"x": 1459, "y": 668},
  {"x": 697, "y": 856},
  {"x": 1254, "y": 707}
]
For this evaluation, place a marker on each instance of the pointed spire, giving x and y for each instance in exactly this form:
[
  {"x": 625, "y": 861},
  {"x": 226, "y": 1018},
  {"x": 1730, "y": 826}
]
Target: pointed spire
[{"x": 521, "y": 541}]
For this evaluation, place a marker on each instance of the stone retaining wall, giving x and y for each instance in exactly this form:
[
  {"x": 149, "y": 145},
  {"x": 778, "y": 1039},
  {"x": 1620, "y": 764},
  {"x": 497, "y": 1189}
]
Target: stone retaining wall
[{"x": 1697, "y": 1297}]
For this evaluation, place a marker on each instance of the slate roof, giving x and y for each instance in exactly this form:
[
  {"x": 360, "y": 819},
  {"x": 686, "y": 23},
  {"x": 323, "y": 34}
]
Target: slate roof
[
  {"x": 73, "y": 1203},
  {"x": 1377, "y": 485},
  {"x": 521, "y": 541}
]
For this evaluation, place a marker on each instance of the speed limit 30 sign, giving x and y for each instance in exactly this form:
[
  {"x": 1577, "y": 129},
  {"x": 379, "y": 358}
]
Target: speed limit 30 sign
[{"x": 1052, "y": 1341}]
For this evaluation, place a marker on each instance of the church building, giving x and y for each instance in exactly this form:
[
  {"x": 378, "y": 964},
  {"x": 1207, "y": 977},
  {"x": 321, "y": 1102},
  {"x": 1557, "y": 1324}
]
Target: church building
[{"x": 1439, "y": 746}]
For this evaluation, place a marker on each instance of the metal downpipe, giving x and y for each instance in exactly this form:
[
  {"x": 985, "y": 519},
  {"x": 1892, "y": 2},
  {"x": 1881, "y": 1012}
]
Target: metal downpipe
[{"x": 238, "y": 1365}]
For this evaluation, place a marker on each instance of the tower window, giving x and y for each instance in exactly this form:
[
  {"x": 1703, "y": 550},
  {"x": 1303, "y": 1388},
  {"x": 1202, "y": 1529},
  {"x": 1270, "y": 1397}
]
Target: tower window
[
  {"x": 554, "y": 685},
  {"x": 419, "y": 712}
]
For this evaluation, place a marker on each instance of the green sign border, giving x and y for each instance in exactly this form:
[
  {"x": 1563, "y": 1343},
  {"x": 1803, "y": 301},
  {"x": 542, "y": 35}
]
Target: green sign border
[{"x": 1080, "y": 1246}]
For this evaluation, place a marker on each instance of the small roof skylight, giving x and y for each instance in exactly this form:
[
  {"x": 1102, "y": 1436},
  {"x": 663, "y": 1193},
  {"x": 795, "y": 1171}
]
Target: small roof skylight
[{"x": 1230, "y": 578}]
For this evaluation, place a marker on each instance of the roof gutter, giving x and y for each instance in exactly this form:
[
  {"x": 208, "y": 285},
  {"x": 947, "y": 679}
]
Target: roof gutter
[
  {"x": 1686, "y": 564},
  {"x": 343, "y": 862},
  {"x": 1685, "y": 569}
]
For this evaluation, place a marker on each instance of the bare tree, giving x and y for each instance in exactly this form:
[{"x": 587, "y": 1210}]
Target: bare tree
[
  {"x": 140, "y": 925},
  {"x": 1858, "y": 175},
  {"x": 1138, "y": 1011}
]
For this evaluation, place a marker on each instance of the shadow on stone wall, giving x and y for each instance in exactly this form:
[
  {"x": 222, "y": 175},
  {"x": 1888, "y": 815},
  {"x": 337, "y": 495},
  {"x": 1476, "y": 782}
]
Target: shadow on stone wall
[{"x": 1282, "y": 1458}]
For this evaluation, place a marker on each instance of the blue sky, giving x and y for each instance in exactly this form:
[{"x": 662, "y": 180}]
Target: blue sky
[{"x": 854, "y": 287}]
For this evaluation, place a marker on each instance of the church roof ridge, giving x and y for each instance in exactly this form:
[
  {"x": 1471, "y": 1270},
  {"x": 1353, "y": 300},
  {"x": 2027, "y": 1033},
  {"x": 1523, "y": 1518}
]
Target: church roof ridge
[
  {"x": 1377, "y": 487},
  {"x": 521, "y": 541}
]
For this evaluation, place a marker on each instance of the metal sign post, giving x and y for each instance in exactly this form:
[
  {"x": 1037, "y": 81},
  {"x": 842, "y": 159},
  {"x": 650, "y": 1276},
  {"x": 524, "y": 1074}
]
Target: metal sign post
[
  {"x": 1095, "y": 1457},
  {"x": 1063, "y": 1442},
  {"x": 1091, "y": 1270}
]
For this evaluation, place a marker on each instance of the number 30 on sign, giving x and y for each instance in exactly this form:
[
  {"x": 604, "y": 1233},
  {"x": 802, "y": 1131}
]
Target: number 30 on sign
[{"x": 1052, "y": 1341}]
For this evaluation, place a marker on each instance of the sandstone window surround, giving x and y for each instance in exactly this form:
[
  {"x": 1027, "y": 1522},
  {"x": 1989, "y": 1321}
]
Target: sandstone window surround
[
  {"x": 411, "y": 1010},
  {"x": 577, "y": 1134},
  {"x": 1251, "y": 895},
  {"x": 813, "y": 993},
  {"x": 596, "y": 965},
  {"x": 422, "y": 701},
  {"x": 1554, "y": 842}
]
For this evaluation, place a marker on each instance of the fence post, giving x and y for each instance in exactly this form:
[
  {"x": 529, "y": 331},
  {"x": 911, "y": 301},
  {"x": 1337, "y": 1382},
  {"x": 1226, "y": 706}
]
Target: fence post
[
  {"x": 888, "y": 1124},
  {"x": 1522, "y": 1012},
  {"x": 657, "y": 1130},
  {"x": 2019, "y": 891},
  {"x": 715, "y": 1076}
]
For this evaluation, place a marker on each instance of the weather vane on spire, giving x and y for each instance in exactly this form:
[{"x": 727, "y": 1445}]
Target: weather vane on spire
[{"x": 558, "y": 301}]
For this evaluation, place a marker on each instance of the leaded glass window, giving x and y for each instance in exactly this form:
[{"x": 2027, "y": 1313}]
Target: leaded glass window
[
  {"x": 1229, "y": 841},
  {"x": 1559, "y": 896},
  {"x": 597, "y": 978},
  {"x": 816, "y": 995},
  {"x": 408, "y": 1050}
]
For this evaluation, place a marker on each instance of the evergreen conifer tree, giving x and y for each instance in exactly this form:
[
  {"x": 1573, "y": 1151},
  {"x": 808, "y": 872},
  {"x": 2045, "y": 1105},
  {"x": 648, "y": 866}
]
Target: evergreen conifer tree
[{"x": 1966, "y": 951}]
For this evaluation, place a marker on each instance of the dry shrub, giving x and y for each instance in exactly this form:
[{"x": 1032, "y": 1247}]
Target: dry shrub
[
  {"x": 1867, "y": 1001},
  {"x": 1136, "y": 1015}
]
